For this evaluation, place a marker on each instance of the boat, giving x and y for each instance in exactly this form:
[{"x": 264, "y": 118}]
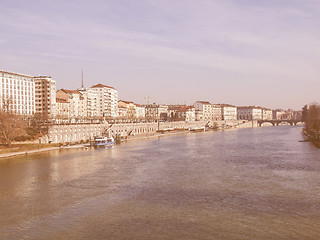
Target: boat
[{"x": 100, "y": 141}]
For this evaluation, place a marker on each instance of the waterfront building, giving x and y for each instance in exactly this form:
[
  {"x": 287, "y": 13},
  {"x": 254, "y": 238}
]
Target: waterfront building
[
  {"x": 198, "y": 114},
  {"x": 133, "y": 110},
  {"x": 140, "y": 111},
  {"x": 76, "y": 102},
  {"x": 279, "y": 114},
  {"x": 228, "y": 112},
  {"x": 90, "y": 102},
  {"x": 17, "y": 93},
  {"x": 181, "y": 113},
  {"x": 45, "y": 96},
  {"x": 187, "y": 113},
  {"x": 62, "y": 108},
  {"x": 122, "y": 112},
  {"x": 107, "y": 100},
  {"x": 216, "y": 112},
  {"x": 206, "y": 108},
  {"x": 249, "y": 113},
  {"x": 156, "y": 112},
  {"x": 266, "y": 114}
]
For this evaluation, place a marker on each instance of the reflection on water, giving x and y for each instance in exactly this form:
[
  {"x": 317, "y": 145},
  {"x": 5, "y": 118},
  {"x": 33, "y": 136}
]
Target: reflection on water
[{"x": 242, "y": 184}]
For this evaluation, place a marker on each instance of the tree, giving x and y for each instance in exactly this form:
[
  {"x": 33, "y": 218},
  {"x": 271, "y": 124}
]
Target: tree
[
  {"x": 40, "y": 124},
  {"x": 304, "y": 113},
  {"x": 313, "y": 117},
  {"x": 11, "y": 124}
]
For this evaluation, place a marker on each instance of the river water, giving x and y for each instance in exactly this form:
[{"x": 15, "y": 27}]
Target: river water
[{"x": 259, "y": 183}]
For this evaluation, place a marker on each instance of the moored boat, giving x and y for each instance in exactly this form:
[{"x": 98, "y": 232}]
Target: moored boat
[{"x": 100, "y": 141}]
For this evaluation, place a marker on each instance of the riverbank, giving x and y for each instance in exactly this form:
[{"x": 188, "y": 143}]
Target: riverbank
[
  {"x": 25, "y": 149},
  {"x": 312, "y": 136}
]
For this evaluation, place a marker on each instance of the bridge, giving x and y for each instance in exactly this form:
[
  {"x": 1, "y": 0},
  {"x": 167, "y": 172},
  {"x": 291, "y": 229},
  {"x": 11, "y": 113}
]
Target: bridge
[{"x": 277, "y": 122}]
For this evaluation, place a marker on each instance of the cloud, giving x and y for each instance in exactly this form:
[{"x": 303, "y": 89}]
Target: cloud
[{"x": 250, "y": 39}]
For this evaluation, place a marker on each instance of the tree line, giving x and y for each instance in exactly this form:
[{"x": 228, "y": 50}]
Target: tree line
[
  {"x": 15, "y": 127},
  {"x": 311, "y": 117}
]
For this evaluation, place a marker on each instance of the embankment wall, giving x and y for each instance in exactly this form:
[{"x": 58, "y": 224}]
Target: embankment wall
[{"x": 84, "y": 132}]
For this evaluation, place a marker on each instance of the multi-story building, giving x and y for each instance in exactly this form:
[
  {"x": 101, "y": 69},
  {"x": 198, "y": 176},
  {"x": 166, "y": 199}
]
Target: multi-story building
[
  {"x": 62, "y": 107},
  {"x": 45, "y": 96},
  {"x": 134, "y": 110},
  {"x": 181, "y": 113},
  {"x": 228, "y": 112},
  {"x": 279, "y": 114},
  {"x": 122, "y": 112},
  {"x": 250, "y": 113},
  {"x": 206, "y": 108},
  {"x": 156, "y": 112},
  {"x": 187, "y": 113},
  {"x": 216, "y": 112},
  {"x": 199, "y": 115},
  {"x": 267, "y": 114},
  {"x": 90, "y": 102},
  {"x": 17, "y": 93},
  {"x": 131, "y": 109},
  {"x": 107, "y": 100},
  {"x": 76, "y": 102},
  {"x": 140, "y": 111}
]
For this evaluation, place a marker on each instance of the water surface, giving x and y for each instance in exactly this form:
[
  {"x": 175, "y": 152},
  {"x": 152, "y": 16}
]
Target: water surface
[{"x": 259, "y": 183}]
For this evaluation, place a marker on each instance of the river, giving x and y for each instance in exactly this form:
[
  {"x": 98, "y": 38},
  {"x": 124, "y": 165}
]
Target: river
[{"x": 259, "y": 183}]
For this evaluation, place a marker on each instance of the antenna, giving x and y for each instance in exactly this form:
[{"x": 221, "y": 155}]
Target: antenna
[
  {"x": 82, "y": 84},
  {"x": 148, "y": 99}
]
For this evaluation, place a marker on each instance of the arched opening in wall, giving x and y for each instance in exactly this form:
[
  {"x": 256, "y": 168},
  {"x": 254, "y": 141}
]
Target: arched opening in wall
[{"x": 266, "y": 124}]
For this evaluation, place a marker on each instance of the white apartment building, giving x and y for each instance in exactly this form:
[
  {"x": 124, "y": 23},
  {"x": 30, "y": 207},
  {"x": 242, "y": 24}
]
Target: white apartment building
[
  {"x": 190, "y": 113},
  {"x": 217, "y": 112},
  {"x": 228, "y": 112},
  {"x": 140, "y": 111},
  {"x": 90, "y": 102},
  {"x": 45, "y": 96},
  {"x": 267, "y": 114},
  {"x": 250, "y": 113},
  {"x": 19, "y": 91},
  {"x": 206, "y": 108},
  {"x": 107, "y": 100}
]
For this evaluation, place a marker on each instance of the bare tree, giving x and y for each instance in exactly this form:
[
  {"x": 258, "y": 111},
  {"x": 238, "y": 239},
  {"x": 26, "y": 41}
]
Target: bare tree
[
  {"x": 313, "y": 117},
  {"x": 40, "y": 124},
  {"x": 11, "y": 124}
]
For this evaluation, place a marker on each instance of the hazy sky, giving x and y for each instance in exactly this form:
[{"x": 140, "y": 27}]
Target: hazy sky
[{"x": 242, "y": 52}]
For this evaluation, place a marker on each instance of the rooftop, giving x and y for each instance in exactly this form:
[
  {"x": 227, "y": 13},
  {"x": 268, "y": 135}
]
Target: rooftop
[{"x": 99, "y": 85}]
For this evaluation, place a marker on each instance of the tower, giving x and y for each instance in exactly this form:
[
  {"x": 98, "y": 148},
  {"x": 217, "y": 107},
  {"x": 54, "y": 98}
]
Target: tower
[{"x": 82, "y": 84}]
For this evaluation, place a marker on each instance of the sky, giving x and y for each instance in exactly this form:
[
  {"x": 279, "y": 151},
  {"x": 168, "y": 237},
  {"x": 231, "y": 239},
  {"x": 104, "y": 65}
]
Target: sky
[{"x": 241, "y": 52}]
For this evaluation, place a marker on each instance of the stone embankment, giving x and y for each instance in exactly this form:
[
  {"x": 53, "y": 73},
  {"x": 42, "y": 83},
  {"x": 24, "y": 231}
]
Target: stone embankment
[
  {"x": 73, "y": 134},
  {"x": 78, "y": 133}
]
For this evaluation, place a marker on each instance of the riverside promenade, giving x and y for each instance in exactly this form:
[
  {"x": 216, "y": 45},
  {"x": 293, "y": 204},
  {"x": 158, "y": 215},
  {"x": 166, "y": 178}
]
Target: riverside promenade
[{"x": 167, "y": 130}]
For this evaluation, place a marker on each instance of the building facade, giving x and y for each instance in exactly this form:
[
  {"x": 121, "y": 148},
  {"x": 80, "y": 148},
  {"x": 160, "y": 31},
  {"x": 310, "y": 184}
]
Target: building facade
[
  {"x": 206, "y": 108},
  {"x": 228, "y": 112},
  {"x": 267, "y": 114},
  {"x": 45, "y": 96},
  {"x": 76, "y": 101},
  {"x": 156, "y": 112},
  {"x": 17, "y": 93},
  {"x": 250, "y": 113},
  {"x": 107, "y": 100},
  {"x": 63, "y": 110}
]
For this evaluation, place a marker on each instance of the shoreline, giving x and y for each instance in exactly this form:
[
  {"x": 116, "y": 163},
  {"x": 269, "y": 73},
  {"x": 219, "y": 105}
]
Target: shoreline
[{"x": 132, "y": 138}]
